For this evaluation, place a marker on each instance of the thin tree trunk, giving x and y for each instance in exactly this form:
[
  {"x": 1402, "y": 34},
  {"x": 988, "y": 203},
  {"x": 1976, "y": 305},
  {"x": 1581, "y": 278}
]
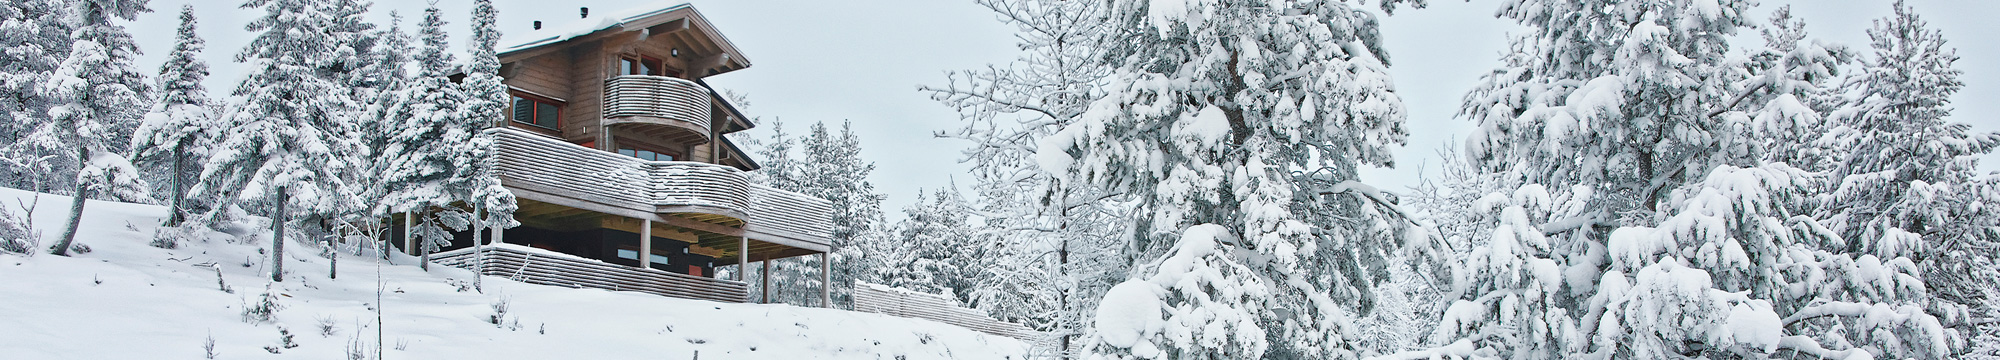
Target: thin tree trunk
[
  {"x": 278, "y": 239},
  {"x": 75, "y": 205},
  {"x": 333, "y": 253},
  {"x": 176, "y": 204}
]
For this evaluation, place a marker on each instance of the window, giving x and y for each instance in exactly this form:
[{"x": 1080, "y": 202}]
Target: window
[
  {"x": 643, "y": 65},
  {"x": 633, "y": 255},
  {"x": 536, "y": 111},
  {"x": 645, "y": 154}
]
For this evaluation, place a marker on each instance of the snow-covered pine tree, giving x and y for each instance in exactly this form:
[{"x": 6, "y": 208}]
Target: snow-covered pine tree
[
  {"x": 485, "y": 103},
  {"x": 828, "y": 166},
  {"x": 429, "y": 148},
  {"x": 388, "y": 68},
  {"x": 288, "y": 145},
  {"x": 1063, "y": 244},
  {"x": 175, "y": 134},
  {"x": 1252, "y": 117},
  {"x": 1907, "y": 184},
  {"x": 94, "y": 96},
  {"x": 935, "y": 248},
  {"x": 1720, "y": 266},
  {"x": 35, "y": 37}
]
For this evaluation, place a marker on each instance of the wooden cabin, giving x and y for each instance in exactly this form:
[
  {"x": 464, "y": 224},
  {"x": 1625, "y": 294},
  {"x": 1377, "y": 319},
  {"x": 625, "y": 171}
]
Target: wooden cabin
[{"x": 612, "y": 137}]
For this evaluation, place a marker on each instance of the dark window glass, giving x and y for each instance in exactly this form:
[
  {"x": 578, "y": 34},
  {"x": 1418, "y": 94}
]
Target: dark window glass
[
  {"x": 627, "y": 152},
  {"x": 647, "y": 155},
  {"x": 521, "y": 110},
  {"x": 535, "y": 112},
  {"x": 545, "y": 114}
]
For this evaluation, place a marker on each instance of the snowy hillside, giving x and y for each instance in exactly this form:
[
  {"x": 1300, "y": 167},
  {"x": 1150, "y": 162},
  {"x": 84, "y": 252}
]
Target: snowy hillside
[{"x": 128, "y": 300}]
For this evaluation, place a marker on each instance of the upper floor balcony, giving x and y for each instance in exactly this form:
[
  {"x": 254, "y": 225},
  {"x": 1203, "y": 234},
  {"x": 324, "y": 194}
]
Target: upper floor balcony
[{"x": 659, "y": 101}]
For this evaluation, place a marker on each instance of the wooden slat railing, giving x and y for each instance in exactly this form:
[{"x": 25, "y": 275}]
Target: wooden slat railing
[
  {"x": 881, "y": 299},
  {"x": 809, "y": 217},
  {"x": 658, "y": 97},
  {"x": 699, "y": 184},
  {"x": 530, "y": 160},
  {"x": 536, "y": 266}
]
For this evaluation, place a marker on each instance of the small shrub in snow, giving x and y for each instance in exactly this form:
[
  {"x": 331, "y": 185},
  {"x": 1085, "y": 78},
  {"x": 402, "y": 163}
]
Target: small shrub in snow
[
  {"x": 284, "y": 341},
  {"x": 499, "y": 315},
  {"x": 327, "y": 327},
  {"x": 208, "y": 347},
  {"x": 171, "y": 237},
  {"x": 14, "y": 237},
  {"x": 356, "y": 350},
  {"x": 261, "y": 311}
]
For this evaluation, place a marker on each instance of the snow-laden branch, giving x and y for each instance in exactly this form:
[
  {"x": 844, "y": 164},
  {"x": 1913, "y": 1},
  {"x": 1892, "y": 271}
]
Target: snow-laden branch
[{"x": 1367, "y": 192}]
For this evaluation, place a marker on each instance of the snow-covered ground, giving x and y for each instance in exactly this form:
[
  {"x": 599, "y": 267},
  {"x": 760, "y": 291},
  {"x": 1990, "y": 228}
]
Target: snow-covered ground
[{"x": 128, "y": 300}]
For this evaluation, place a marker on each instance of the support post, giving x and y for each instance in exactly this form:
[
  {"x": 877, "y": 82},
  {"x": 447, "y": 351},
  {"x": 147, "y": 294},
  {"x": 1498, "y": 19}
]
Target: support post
[
  {"x": 742, "y": 259},
  {"x": 645, "y": 243},
  {"x": 766, "y": 279},
  {"x": 409, "y": 242},
  {"x": 825, "y": 281}
]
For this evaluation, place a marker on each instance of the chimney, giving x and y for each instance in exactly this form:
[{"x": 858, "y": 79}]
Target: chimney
[
  {"x": 586, "y": 12},
  {"x": 538, "y": 24}
]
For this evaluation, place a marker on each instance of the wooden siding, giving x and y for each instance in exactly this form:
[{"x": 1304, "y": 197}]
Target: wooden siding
[
  {"x": 881, "y": 299},
  {"x": 536, "y": 266},
  {"x": 583, "y": 123}
]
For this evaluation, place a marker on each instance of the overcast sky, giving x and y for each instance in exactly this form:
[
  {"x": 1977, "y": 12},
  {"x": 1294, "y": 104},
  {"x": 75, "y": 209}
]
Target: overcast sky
[{"x": 862, "y": 60}]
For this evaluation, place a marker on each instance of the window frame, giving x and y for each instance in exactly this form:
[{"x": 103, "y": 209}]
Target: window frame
[
  {"x": 631, "y": 64},
  {"x": 555, "y": 124}
]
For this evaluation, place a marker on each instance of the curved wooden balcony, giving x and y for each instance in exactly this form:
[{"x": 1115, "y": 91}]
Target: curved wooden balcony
[{"x": 658, "y": 101}]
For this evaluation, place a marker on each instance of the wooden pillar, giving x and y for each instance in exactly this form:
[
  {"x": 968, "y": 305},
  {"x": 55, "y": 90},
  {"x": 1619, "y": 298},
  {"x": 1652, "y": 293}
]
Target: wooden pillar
[
  {"x": 743, "y": 259},
  {"x": 825, "y": 281},
  {"x": 766, "y": 279},
  {"x": 645, "y": 243},
  {"x": 478, "y": 250},
  {"x": 409, "y": 242}
]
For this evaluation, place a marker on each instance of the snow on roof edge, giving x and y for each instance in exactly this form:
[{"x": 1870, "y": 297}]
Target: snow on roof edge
[{"x": 577, "y": 29}]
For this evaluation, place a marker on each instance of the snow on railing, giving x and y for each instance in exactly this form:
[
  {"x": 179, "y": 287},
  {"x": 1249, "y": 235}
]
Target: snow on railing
[
  {"x": 542, "y": 267},
  {"x": 539, "y": 163},
  {"x": 781, "y": 210},
  {"x": 881, "y": 299},
  {"x": 684, "y": 183},
  {"x": 650, "y": 97}
]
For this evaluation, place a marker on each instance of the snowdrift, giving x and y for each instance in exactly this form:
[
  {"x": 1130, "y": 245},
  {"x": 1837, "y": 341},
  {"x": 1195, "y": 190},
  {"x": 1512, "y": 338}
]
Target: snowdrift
[{"x": 128, "y": 300}]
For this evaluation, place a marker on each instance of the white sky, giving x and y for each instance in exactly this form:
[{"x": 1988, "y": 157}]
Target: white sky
[{"x": 862, "y": 60}]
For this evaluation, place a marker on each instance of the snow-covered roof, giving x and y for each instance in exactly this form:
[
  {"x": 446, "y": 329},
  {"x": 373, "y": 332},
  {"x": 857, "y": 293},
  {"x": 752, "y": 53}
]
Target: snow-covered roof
[
  {"x": 630, "y": 19},
  {"x": 555, "y": 33}
]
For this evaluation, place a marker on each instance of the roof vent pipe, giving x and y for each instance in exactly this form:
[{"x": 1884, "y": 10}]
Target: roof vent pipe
[
  {"x": 586, "y": 13},
  {"x": 538, "y": 24}
]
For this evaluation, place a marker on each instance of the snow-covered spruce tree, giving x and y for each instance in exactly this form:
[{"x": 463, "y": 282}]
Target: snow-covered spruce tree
[
  {"x": 485, "y": 103},
  {"x": 437, "y": 153},
  {"x": 34, "y": 39},
  {"x": 1720, "y": 267},
  {"x": 388, "y": 78},
  {"x": 828, "y": 166},
  {"x": 94, "y": 96},
  {"x": 288, "y": 147},
  {"x": 1905, "y": 186},
  {"x": 175, "y": 134},
  {"x": 936, "y": 249},
  {"x": 1253, "y": 117},
  {"x": 1062, "y": 244}
]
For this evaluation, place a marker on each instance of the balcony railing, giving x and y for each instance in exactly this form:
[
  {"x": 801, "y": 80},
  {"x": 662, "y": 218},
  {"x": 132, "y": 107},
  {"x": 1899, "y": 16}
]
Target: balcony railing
[
  {"x": 536, "y": 266},
  {"x": 657, "y": 100},
  {"x": 527, "y": 161},
  {"x": 569, "y": 170},
  {"x": 700, "y": 186}
]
